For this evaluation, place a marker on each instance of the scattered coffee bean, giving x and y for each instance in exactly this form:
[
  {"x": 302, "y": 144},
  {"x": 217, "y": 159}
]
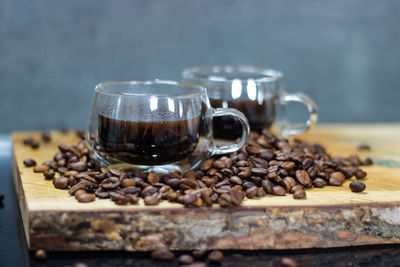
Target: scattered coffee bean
[
  {"x": 364, "y": 147},
  {"x": 199, "y": 254},
  {"x": 357, "y": 186},
  {"x": 153, "y": 178},
  {"x": 41, "y": 168},
  {"x": 216, "y": 256},
  {"x": 162, "y": 255},
  {"x": 303, "y": 178},
  {"x": 360, "y": 174},
  {"x": 336, "y": 178},
  {"x": 35, "y": 144},
  {"x": 41, "y": 254},
  {"x": 186, "y": 259},
  {"x": 61, "y": 182},
  {"x": 1, "y": 197},
  {"x": 46, "y": 137},
  {"x": 299, "y": 194},
  {"x": 85, "y": 198},
  {"x": 29, "y": 162},
  {"x": 80, "y": 264},
  {"x": 151, "y": 200},
  {"x": 28, "y": 141},
  {"x": 288, "y": 262},
  {"x": 49, "y": 174}
]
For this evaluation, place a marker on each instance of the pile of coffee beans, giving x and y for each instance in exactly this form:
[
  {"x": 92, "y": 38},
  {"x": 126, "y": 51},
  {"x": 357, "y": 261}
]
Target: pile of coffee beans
[{"x": 266, "y": 164}]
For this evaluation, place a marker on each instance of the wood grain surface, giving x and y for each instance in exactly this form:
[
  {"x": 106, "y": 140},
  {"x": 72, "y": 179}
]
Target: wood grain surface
[{"x": 328, "y": 217}]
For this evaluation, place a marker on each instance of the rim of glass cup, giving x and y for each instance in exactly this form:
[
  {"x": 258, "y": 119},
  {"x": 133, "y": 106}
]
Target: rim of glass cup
[
  {"x": 271, "y": 75},
  {"x": 100, "y": 88}
]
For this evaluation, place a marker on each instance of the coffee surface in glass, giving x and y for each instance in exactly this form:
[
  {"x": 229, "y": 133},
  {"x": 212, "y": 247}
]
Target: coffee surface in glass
[{"x": 148, "y": 143}]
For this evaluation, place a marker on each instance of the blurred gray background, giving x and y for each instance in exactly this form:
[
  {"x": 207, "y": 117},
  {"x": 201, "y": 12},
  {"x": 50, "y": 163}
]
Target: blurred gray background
[{"x": 345, "y": 54}]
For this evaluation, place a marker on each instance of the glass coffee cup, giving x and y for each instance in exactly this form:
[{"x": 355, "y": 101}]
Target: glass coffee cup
[
  {"x": 158, "y": 125},
  {"x": 256, "y": 92}
]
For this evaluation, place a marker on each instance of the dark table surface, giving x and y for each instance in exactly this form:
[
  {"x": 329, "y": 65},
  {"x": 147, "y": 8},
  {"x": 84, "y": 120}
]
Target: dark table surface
[{"x": 14, "y": 251}]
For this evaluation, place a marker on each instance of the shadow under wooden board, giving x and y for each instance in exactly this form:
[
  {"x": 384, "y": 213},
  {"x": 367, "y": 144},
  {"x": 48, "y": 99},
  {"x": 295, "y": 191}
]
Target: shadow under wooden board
[{"x": 328, "y": 217}]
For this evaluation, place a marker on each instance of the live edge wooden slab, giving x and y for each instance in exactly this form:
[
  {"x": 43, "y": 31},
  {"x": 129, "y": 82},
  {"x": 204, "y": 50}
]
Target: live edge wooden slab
[{"x": 329, "y": 217}]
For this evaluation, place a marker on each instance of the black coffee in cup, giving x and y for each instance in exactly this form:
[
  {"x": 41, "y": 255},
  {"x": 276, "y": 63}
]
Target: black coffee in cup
[
  {"x": 148, "y": 142},
  {"x": 260, "y": 115}
]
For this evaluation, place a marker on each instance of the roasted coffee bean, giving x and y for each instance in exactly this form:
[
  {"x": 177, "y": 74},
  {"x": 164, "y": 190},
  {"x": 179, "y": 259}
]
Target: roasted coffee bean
[
  {"x": 162, "y": 255},
  {"x": 260, "y": 192},
  {"x": 151, "y": 200},
  {"x": 296, "y": 188},
  {"x": 190, "y": 175},
  {"x": 360, "y": 174},
  {"x": 80, "y": 264},
  {"x": 102, "y": 194},
  {"x": 288, "y": 262},
  {"x": 348, "y": 172},
  {"x": 187, "y": 199},
  {"x": 267, "y": 155},
  {"x": 244, "y": 174},
  {"x": 303, "y": 178},
  {"x": 29, "y": 162},
  {"x": 253, "y": 150},
  {"x": 199, "y": 254},
  {"x": 35, "y": 144},
  {"x": 288, "y": 165},
  {"x": 282, "y": 156},
  {"x": 78, "y": 166},
  {"x": 49, "y": 174},
  {"x": 153, "y": 178},
  {"x": 267, "y": 186},
  {"x": 41, "y": 168},
  {"x": 28, "y": 141},
  {"x": 278, "y": 190},
  {"x": 219, "y": 164},
  {"x": 128, "y": 182},
  {"x": 206, "y": 165},
  {"x": 236, "y": 180},
  {"x": 357, "y": 186},
  {"x": 216, "y": 256},
  {"x": 251, "y": 192},
  {"x": 80, "y": 191},
  {"x": 364, "y": 146},
  {"x": 225, "y": 200},
  {"x": 70, "y": 173},
  {"x": 61, "y": 163},
  {"x": 186, "y": 259},
  {"x": 189, "y": 182},
  {"x": 83, "y": 184},
  {"x": 299, "y": 194},
  {"x": 336, "y": 178},
  {"x": 259, "y": 171},
  {"x": 236, "y": 197},
  {"x": 111, "y": 183},
  {"x": 149, "y": 190},
  {"x": 319, "y": 183},
  {"x": 61, "y": 182},
  {"x": 367, "y": 162},
  {"x": 122, "y": 200},
  {"x": 41, "y": 254},
  {"x": 1, "y": 197}
]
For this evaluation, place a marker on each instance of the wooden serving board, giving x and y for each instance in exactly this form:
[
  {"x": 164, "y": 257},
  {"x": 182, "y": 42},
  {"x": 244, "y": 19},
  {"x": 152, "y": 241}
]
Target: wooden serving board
[{"x": 329, "y": 217}]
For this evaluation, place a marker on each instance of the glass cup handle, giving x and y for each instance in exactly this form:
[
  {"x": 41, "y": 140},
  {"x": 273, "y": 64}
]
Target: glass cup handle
[
  {"x": 226, "y": 149},
  {"x": 312, "y": 110}
]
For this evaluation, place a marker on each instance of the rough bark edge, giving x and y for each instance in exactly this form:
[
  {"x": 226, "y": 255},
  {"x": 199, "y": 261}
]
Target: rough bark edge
[{"x": 232, "y": 228}]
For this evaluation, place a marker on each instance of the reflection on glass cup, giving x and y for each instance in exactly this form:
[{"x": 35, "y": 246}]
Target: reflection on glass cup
[
  {"x": 155, "y": 125},
  {"x": 256, "y": 92}
]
